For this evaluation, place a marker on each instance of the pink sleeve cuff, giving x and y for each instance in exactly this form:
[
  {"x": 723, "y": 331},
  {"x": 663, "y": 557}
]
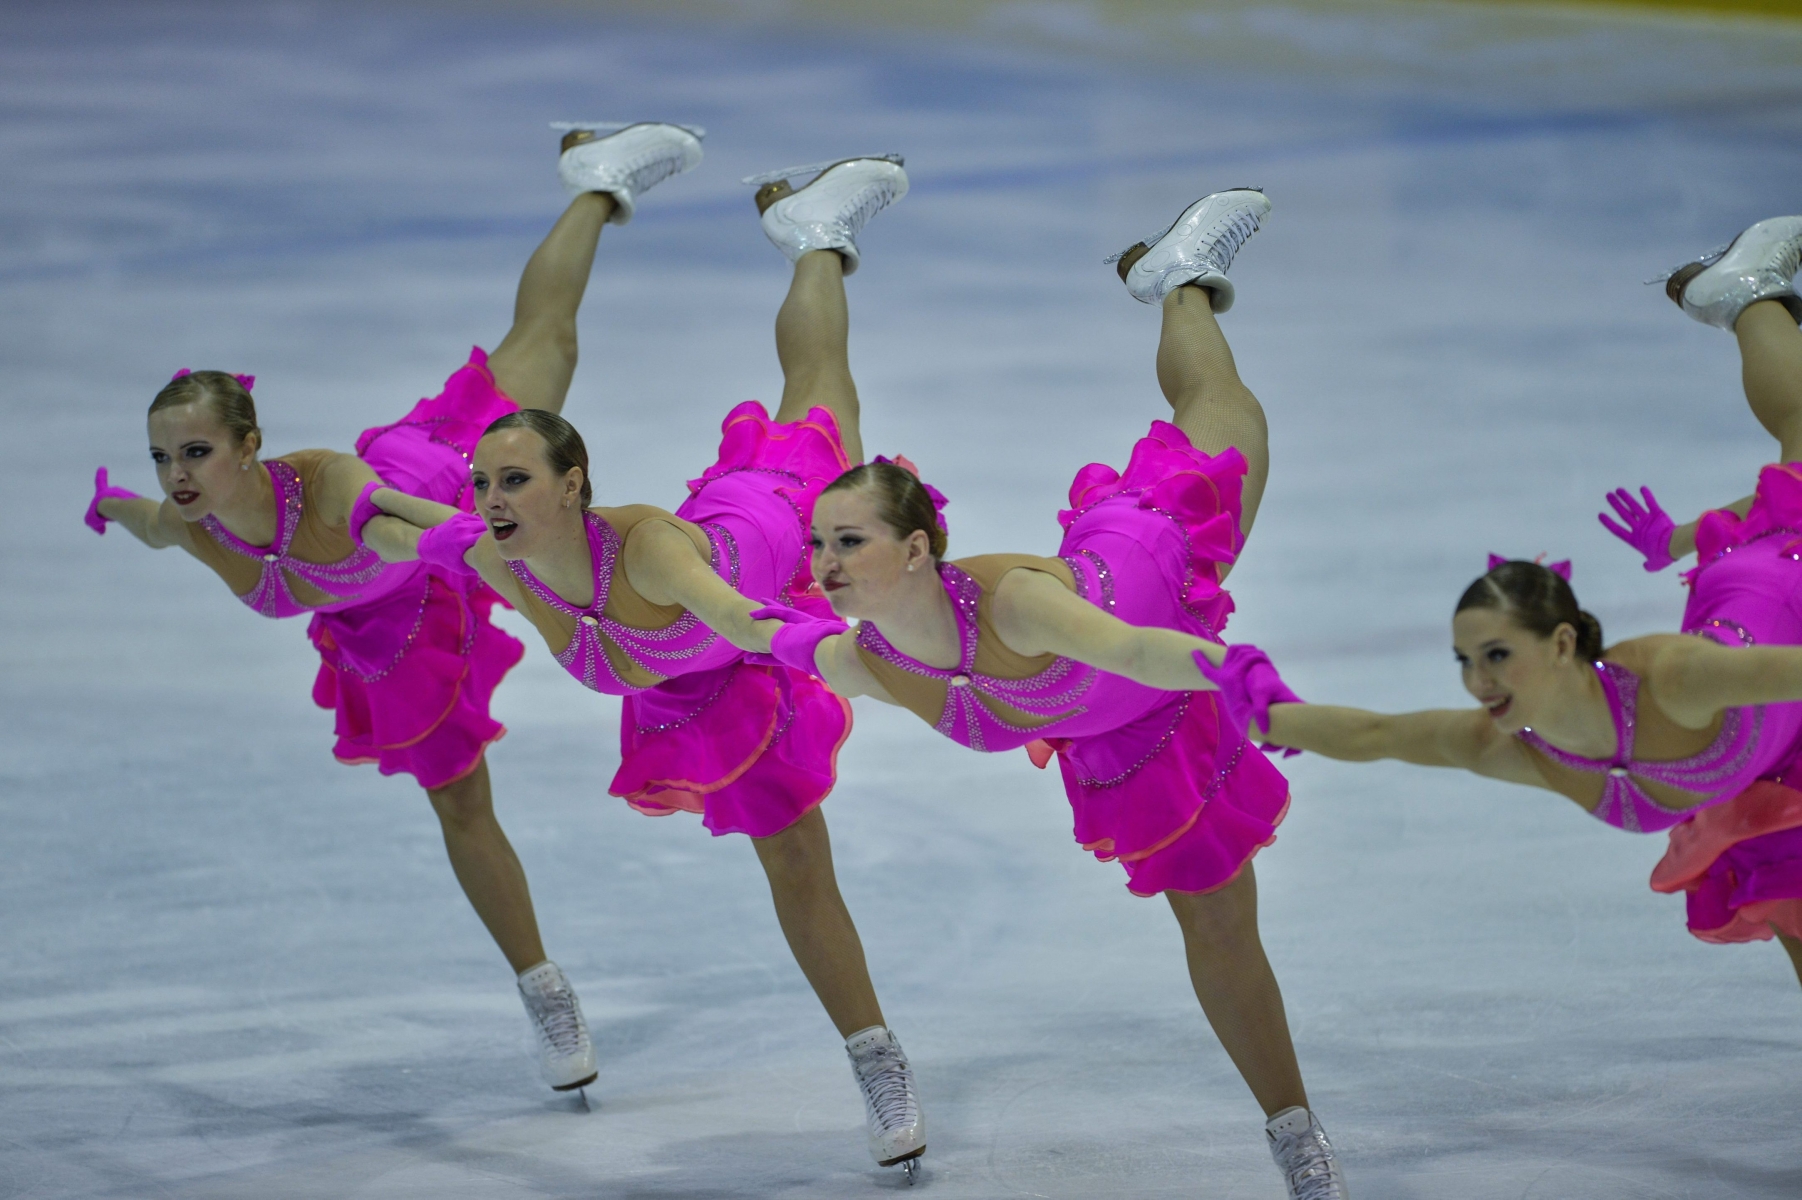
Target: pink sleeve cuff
[{"x": 364, "y": 511}]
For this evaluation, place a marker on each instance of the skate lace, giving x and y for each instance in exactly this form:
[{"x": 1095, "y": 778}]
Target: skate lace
[
  {"x": 1236, "y": 230},
  {"x": 1307, "y": 1162},
  {"x": 872, "y": 200},
  {"x": 888, "y": 1092},
  {"x": 557, "y": 1019},
  {"x": 645, "y": 173},
  {"x": 1224, "y": 240}
]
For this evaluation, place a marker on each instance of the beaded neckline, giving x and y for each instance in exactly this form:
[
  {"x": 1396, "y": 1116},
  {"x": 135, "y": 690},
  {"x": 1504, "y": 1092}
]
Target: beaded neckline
[
  {"x": 272, "y": 596},
  {"x": 652, "y": 650},
  {"x": 1624, "y": 802},
  {"x": 1050, "y": 693}
]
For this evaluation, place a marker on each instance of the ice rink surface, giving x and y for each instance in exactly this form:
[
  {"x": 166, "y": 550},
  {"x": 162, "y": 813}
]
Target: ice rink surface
[{"x": 230, "y": 967}]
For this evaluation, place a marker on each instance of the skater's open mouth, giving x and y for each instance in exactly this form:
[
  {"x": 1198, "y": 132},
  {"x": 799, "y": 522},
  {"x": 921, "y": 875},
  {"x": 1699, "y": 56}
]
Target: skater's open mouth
[
  {"x": 1499, "y": 706},
  {"x": 184, "y": 498},
  {"x": 502, "y": 530}
]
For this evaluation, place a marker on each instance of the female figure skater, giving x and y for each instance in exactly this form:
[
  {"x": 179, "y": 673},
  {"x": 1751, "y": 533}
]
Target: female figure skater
[
  {"x": 408, "y": 657},
  {"x": 639, "y": 602},
  {"x": 1087, "y": 655},
  {"x": 1701, "y": 734}
]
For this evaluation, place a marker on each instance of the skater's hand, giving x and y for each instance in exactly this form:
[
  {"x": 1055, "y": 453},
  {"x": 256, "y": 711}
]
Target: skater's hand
[
  {"x": 1648, "y": 527},
  {"x": 444, "y": 546},
  {"x": 103, "y": 491},
  {"x": 1248, "y": 685},
  {"x": 798, "y": 639}
]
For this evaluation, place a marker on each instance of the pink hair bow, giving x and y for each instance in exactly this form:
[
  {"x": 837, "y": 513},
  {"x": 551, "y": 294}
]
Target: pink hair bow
[
  {"x": 1560, "y": 569},
  {"x": 938, "y": 498},
  {"x": 244, "y": 381}
]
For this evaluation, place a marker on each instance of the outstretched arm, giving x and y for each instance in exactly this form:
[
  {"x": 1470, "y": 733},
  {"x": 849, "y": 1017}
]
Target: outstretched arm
[
  {"x": 395, "y": 536},
  {"x": 155, "y": 523},
  {"x": 1692, "y": 679},
  {"x": 664, "y": 566},
  {"x": 1462, "y": 738},
  {"x": 1036, "y": 614}
]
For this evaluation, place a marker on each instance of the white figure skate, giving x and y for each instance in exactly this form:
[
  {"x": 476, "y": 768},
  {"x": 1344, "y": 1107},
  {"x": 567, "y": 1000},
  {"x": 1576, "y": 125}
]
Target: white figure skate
[
  {"x": 1197, "y": 249},
  {"x": 828, "y": 212},
  {"x": 890, "y": 1105},
  {"x": 625, "y": 161},
  {"x": 1759, "y": 264},
  {"x": 1304, "y": 1156},
  {"x": 565, "y": 1052}
]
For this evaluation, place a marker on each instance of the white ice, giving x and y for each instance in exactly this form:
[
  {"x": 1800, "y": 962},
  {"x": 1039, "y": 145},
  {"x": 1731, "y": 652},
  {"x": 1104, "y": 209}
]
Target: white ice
[{"x": 230, "y": 967}]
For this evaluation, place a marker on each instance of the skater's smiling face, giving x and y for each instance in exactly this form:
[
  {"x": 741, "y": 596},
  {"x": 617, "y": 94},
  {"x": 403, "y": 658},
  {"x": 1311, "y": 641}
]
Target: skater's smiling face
[
  {"x": 858, "y": 560},
  {"x": 521, "y": 495},
  {"x": 200, "y": 462},
  {"x": 1514, "y": 673}
]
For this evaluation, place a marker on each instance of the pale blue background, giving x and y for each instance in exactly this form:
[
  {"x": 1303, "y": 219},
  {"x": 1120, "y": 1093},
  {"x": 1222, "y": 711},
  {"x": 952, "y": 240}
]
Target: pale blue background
[{"x": 230, "y": 967}]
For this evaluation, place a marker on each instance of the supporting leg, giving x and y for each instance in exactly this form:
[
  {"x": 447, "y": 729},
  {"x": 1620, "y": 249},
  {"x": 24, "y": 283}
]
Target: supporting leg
[
  {"x": 1770, "y": 351},
  {"x": 1201, "y": 382},
  {"x": 798, "y": 862},
  {"x": 1794, "y": 947},
  {"x": 812, "y": 343},
  {"x": 536, "y": 360},
  {"x": 487, "y": 867},
  {"x": 1238, "y": 990}
]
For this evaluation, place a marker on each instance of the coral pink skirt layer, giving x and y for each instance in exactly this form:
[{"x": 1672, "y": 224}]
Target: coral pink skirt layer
[
  {"x": 409, "y": 676},
  {"x": 751, "y": 748},
  {"x": 1179, "y": 798}
]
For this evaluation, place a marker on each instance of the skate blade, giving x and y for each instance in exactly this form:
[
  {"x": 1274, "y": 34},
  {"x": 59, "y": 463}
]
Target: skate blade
[
  {"x": 1708, "y": 260},
  {"x": 910, "y": 1170},
  {"x": 615, "y": 126},
  {"x": 819, "y": 168},
  {"x": 580, "y": 1083},
  {"x": 1159, "y": 236}
]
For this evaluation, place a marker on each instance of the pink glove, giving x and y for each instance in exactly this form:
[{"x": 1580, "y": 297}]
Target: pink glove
[
  {"x": 1648, "y": 528},
  {"x": 1248, "y": 685},
  {"x": 798, "y": 640},
  {"x": 443, "y": 546},
  {"x": 103, "y": 491},
  {"x": 365, "y": 510}
]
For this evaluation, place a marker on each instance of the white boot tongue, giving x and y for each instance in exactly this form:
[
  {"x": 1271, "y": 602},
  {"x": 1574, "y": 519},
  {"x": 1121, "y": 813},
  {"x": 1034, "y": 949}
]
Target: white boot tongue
[
  {"x": 863, "y": 1039},
  {"x": 535, "y": 979},
  {"x": 1290, "y": 1121}
]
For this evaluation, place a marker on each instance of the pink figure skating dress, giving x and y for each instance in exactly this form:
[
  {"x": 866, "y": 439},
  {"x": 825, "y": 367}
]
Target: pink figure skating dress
[
  {"x": 752, "y": 748},
  {"x": 408, "y": 657},
  {"x": 1158, "y": 780},
  {"x": 1737, "y": 852}
]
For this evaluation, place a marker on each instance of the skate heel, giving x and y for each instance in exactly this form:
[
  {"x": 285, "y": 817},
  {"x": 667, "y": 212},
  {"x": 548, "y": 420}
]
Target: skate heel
[{"x": 771, "y": 192}]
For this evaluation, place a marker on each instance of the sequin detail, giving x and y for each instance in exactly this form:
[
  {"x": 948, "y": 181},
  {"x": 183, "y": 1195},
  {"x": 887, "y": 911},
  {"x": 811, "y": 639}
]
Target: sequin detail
[
  {"x": 272, "y": 596},
  {"x": 1624, "y": 803},
  {"x": 652, "y": 650},
  {"x": 1051, "y": 693}
]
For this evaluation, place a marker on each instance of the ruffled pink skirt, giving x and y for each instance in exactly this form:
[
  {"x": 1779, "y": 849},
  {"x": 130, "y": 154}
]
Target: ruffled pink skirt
[
  {"x": 1740, "y": 864},
  {"x": 1179, "y": 800},
  {"x": 410, "y": 675},
  {"x": 750, "y": 748}
]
